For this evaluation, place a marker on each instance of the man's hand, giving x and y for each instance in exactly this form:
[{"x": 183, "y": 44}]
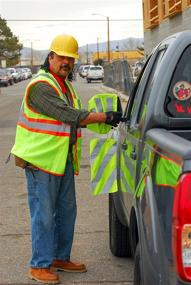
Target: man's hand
[{"x": 113, "y": 118}]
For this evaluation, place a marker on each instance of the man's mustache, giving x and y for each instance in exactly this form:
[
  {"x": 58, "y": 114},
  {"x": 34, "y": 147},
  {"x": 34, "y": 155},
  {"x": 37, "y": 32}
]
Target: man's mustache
[{"x": 65, "y": 66}]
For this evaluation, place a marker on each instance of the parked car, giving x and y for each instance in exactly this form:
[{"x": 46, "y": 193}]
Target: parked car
[
  {"x": 84, "y": 70},
  {"x": 136, "y": 69},
  {"x": 28, "y": 72},
  {"x": 14, "y": 73},
  {"x": 21, "y": 74},
  {"x": 5, "y": 78},
  {"x": 11, "y": 77},
  {"x": 95, "y": 73},
  {"x": 150, "y": 214}
]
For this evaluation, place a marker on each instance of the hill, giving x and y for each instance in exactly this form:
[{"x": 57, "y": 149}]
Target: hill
[
  {"x": 119, "y": 45},
  {"x": 116, "y": 45}
]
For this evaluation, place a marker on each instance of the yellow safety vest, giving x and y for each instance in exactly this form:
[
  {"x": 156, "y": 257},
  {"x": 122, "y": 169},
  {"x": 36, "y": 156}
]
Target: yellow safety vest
[
  {"x": 103, "y": 156},
  {"x": 42, "y": 140}
]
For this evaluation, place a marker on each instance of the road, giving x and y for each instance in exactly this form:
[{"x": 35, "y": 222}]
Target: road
[{"x": 91, "y": 243}]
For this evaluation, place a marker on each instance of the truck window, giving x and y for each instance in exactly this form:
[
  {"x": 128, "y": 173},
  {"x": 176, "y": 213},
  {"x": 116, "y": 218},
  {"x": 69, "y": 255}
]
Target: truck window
[
  {"x": 141, "y": 92},
  {"x": 153, "y": 74},
  {"x": 130, "y": 107},
  {"x": 178, "y": 100}
]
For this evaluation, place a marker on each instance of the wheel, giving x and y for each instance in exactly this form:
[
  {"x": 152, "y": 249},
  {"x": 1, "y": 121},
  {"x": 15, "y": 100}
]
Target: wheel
[
  {"x": 88, "y": 80},
  {"x": 118, "y": 233},
  {"x": 133, "y": 234},
  {"x": 137, "y": 267}
]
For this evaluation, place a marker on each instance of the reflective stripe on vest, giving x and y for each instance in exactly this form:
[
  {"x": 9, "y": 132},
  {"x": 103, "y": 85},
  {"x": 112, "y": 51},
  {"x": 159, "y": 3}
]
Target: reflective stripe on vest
[
  {"x": 103, "y": 160},
  {"x": 44, "y": 126},
  {"x": 102, "y": 103},
  {"x": 126, "y": 168},
  {"x": 99, "y": 107}
]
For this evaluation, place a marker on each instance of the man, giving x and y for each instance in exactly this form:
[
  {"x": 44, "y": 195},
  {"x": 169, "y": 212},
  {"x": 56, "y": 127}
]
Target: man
[{"x": 47, "y": 143}]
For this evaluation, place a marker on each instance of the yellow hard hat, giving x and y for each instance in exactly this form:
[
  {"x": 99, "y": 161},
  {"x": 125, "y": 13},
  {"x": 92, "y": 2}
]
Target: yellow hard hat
[{"x": 65, "y": 45}]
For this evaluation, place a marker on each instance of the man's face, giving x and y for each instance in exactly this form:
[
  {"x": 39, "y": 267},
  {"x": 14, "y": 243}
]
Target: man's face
[{"x": 61, "y": 65}]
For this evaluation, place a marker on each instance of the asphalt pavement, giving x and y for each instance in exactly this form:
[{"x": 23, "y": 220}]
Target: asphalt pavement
[{"x": 91, "y": 242}]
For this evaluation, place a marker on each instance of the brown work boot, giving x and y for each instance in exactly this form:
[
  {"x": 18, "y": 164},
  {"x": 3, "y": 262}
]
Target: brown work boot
[
  {"x": 43, "y": 275},
  {"x": 68, "y": 266}
]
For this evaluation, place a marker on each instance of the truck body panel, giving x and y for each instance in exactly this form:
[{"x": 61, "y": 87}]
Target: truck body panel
[{"x": 154, "y": 151}]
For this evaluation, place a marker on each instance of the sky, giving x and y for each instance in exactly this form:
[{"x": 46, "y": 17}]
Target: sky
[{"x": 125, "y": 20}]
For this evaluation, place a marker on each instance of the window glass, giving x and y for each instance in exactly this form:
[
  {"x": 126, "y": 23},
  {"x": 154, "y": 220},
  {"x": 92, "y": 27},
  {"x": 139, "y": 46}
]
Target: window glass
[
  {"x": 137, "y": 103},
  {"x": 96, "y": 68},
  {"x": 178, "y": 100},
  {"x": 147, "y": 91},
  {"x": 133, "y": 98}
]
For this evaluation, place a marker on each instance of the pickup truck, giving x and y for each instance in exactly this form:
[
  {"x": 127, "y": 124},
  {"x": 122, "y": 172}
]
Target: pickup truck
[
  {"x": 95, "y": 73},
  {"x": 150, "y": 214}
]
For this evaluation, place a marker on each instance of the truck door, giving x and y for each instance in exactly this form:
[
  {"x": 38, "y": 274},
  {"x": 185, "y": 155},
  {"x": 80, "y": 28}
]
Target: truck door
[{"x": 130, "y": 133}]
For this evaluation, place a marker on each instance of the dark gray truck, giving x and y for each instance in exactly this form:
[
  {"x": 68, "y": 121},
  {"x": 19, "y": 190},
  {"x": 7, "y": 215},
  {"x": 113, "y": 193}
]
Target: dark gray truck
[{"x": 150, "y": 215}]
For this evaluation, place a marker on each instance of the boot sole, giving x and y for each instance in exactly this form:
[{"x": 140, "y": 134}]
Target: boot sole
[
  {"x": 42, "y": 281},
  {"x": 69, "y": 270}
]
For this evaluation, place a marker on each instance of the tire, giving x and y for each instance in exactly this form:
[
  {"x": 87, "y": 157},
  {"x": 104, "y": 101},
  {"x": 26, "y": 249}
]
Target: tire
[
  {"x": 137, "y": 267},
  {"x": 133, "y": 235},
  {"x": 118, "y": 233}
]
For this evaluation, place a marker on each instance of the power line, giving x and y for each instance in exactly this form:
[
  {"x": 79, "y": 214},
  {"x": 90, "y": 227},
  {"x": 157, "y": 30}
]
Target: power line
[{"x": 72, "y": 20}]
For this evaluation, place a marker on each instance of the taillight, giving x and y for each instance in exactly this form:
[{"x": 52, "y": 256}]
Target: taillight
[{"x": 181, "y": 227}]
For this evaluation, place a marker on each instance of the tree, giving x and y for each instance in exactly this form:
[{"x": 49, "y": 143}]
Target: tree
[
  {"x": 98, "y": 61},
  {"x": 9, "y": 45}
]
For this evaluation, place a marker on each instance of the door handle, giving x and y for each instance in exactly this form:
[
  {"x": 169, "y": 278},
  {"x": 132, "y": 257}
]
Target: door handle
[
  {"x": 124, "y": 146},
  {"x": 133, "y": 155}
]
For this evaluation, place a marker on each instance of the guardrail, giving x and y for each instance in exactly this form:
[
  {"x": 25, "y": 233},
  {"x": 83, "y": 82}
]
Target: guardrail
[{"x": 118, "y": 75}]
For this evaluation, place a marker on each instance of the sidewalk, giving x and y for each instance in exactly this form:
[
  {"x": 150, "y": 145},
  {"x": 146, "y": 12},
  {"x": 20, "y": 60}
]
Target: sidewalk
[
  {"x": 122, "y": 96},
  {"x": 91, "y": 241}
]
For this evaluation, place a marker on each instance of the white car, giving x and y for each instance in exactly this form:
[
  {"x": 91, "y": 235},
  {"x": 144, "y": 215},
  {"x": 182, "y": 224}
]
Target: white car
[
  {"x": 14, "y": 73},
  {"x": 95, "y": 73},
  {"x": 84, "y": 70}
]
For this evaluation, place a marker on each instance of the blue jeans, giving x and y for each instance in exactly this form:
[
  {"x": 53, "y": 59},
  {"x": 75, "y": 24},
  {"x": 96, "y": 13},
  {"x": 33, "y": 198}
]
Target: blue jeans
[{"x": 52, "y": 204}]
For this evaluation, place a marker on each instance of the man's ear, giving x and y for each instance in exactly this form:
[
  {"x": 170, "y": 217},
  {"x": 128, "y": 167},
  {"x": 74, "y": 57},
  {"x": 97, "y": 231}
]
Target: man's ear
[{"x": 51, "y": 55}]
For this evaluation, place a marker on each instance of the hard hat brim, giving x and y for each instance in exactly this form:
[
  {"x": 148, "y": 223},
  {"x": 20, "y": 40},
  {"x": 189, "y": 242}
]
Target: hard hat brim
[{"x": 66, "y": 54}]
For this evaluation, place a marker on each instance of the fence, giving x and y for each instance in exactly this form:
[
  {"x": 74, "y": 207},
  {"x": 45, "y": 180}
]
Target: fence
[{"x": 118, "y": 75}]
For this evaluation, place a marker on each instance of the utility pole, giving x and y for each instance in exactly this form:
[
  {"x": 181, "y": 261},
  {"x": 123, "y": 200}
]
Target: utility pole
[
  {"x": 98, "y": 50},
  {"x": 31, "y": 55},
  {"x": 108, "y": 41},
  {"x": 108, "y": 35},
  {"x": 87, "y": 59}
]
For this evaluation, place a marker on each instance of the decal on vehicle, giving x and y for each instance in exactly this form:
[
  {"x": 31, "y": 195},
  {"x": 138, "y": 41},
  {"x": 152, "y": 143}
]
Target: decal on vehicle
[
  {"x": 182, "y": 109},
  {"x": 182, "y": 90}
]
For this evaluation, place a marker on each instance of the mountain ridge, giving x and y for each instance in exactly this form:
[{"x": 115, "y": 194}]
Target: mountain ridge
[{"x": 115, "y": 45}]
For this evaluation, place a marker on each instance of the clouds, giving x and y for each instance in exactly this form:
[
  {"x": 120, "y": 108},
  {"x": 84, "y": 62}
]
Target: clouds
[{"x": 84, "y": 31}]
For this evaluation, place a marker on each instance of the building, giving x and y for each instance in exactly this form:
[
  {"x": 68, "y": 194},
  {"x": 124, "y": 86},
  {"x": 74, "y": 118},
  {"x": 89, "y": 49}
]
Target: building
[
  {"x": 131, "y": 55},
  {"x": 163, "y": 18}
]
